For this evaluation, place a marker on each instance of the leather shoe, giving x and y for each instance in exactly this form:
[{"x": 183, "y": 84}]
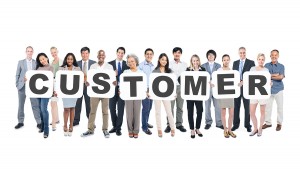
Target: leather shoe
[
  {"x": 234, "y": 128},
  {"x": 181, "y": 128},
  {"x": 39, "y": 126},
  {"x": 168, "y": 129},
  {"x": 75, "y": 124},
  {"x": 266, "y": 126},
  {"x": 118, "y": 133},
  {"x": 147, "y": 132},
  {"x": 113, "y": 130},
  {"x": 207, "y": 126},
  {"x": 248, "y": 129},
  {"x": 150, "y": 126},
  {"x": 221, "y": 127},
  {"x": 19, "y": 125},
  {"x": 278, "y": 127}
]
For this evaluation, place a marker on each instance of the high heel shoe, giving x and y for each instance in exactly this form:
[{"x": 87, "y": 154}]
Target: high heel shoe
[
  {"x": 253, "y": 133},
  {"x": 172, "y": 133},
  {"x": 192, "y": 134},
  {"x": 199, "y": 133},
  {"x": 160, "y": 133},
  {"x": 259, "y": 134},
  {"x": 65, "y": 131},
  {"x": 70, "y": 131}
]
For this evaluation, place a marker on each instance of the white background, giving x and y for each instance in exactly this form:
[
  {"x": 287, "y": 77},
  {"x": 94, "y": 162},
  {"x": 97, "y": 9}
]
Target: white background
[{"x": 196, "y": 26}]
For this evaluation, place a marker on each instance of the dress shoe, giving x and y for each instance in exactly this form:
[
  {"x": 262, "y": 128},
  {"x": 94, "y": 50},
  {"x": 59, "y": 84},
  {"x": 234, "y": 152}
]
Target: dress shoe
[
  {"x": 147, "y": 132},
  {"x": 278, "y": 127},
  {"x": 199, "y": 133},
  {"x": 113, "y": 130},
  {"x": 266, "y": 126},
  {"x": 39, "y": 126},
  {"x": 118, "y": 133},
  {"x": 19, "y": 125},
  {"x": 181, "y": 128},
  {"x": 253, "y": 133},
  {"x": 168, "y": 129},
  {"x": 221, "y": 127},
  {"x": 192, "y": 134},
  {"x": 75, "y": 124},
  {"x": 234, "y": 128},
  {"x": 248, "y": 129},
  {"x": 150, "y": 126},
  {"x": 207, "y": 126}
]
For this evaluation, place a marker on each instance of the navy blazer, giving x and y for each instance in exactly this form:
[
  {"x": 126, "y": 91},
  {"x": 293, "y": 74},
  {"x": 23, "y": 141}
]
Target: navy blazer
[
  {"x": 247, "y": 65},
  {"x": 124, "y": 65}
]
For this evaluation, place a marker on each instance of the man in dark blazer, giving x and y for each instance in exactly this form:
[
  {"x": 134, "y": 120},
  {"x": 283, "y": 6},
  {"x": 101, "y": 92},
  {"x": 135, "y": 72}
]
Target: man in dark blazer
[
  {"x": 84, "y": 65},
  {"x": 242, "y": 65},
  {"x": 119, "y": 66}
]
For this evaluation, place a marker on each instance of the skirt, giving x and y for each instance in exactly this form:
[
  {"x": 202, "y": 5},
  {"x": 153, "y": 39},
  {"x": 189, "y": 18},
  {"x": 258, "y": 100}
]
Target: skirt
[
  {"x": 226, "y": 103},
  {"x": 69, "y": 102}
]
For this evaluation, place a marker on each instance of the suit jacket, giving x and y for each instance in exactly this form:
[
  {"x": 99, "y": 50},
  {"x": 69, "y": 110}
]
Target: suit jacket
[
  {"x": 124, "y": 65},
  {"x": 21, "y": 71},
  {"x": 206, "y": 66},
  {"x": 247, "y": 65},
  {"x": 89, "y": 64}
]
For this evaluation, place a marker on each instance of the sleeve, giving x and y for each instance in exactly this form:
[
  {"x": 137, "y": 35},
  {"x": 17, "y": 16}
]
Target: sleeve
[
  {"x": 18, "y": 72},
  {"x": 282, "y": 71}
]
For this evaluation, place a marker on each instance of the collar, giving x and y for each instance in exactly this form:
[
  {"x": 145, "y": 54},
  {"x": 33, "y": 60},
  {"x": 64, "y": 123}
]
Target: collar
[
  {"x": 274, "y": 63},
  {"x": 147, "y": 63},
  {"x": 243, "y": 60}
]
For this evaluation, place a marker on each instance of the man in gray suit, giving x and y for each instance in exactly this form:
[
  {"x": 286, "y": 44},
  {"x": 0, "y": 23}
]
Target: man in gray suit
[
  {"x": 210, "y": 67},
  {"x": 84, "y": 65},
  {"x": 23, "y": 66}
]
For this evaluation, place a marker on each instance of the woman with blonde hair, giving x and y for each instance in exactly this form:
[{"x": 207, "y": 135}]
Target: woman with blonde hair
[
  {"x": 195, "y": 66},
  {"x": 261, "y": 102},
  {"x": 56, "y": 62}
]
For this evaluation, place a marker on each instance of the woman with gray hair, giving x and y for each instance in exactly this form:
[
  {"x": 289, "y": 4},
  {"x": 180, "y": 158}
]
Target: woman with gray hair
[{"x": 133, "y": 107}]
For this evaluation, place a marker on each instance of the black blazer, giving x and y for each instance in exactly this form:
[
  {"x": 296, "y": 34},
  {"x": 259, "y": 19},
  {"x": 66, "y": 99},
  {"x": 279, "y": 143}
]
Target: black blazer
[
  {"x": 124, "y": 65},
  {"x": 247, "y": 65},
  {"x": 189, "y": 69}
]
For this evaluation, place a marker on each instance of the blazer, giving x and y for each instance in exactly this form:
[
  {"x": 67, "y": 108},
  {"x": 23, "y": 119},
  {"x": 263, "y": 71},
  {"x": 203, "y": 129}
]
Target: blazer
[
  {"x": 21, "y": 71},
  {"x": 89, "y": 65},
  {"x": 124, "y": 65},
  {"x": 206, "y": 66},
  {"x": 247, "y": 65}
]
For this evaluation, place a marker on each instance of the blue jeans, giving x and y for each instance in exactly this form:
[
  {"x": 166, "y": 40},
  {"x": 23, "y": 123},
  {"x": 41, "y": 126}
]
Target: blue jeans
[
  {"x": 147, "y": 105},
  {"x": 45, "y": 114}
]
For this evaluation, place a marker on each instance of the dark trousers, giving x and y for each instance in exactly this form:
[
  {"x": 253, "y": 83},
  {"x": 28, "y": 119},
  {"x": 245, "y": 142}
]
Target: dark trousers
[
  {"x": 116, "y": 119},
  {"x": 199, "y": 109},
  {"x": 147, "y": 105},
  {"x": 79, "y": 105},
  {"x": 237, "y": 106}
]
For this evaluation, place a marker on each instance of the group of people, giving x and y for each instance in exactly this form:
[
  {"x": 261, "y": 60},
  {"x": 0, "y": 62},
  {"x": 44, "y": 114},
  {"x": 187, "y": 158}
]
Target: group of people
[{"x": 137, "y": 108}]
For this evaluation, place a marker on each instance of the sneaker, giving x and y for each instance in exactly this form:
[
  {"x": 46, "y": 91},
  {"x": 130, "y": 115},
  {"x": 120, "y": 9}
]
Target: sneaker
[
  {"x": 106, "y": 133},
  {"x": 85, "y": 134}
]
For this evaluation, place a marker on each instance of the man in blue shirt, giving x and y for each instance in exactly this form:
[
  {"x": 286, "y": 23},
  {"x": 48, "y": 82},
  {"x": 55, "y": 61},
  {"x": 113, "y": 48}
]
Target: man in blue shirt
[
  {"x": 147, "y": 67},
  {"x": 277, "y": 74}
]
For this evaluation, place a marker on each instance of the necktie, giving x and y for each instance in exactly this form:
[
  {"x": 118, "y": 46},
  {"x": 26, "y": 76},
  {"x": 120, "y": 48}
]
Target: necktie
[
  {"x": 119, "y": 71},
  {"x": 84, "y": 67},
  {"x": 241, "y": 69}
]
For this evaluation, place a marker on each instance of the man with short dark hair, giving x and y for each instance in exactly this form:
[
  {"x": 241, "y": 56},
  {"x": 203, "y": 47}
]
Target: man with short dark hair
[
  {"x": 84, "y": 65},
  {"x": 119, "y": 66}
]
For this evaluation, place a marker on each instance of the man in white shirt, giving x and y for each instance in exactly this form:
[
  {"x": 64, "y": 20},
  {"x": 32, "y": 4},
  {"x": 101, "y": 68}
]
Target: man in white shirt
[
  {"x": 23, "y": 66},
  {"x": 101, "y": 65},
  {"x": 178, "y": 67}
]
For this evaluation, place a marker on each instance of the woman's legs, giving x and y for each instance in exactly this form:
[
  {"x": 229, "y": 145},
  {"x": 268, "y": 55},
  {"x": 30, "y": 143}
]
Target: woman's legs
[
  {"x": 54, "y": 112},
  {"x": 262, "y": 117}
]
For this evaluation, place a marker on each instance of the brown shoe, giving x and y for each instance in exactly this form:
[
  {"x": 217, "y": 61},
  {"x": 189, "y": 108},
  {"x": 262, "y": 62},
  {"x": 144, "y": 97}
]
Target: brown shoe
[
  {"x": 278, "y": 128},
  {"x": 266, "y": 126}
]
